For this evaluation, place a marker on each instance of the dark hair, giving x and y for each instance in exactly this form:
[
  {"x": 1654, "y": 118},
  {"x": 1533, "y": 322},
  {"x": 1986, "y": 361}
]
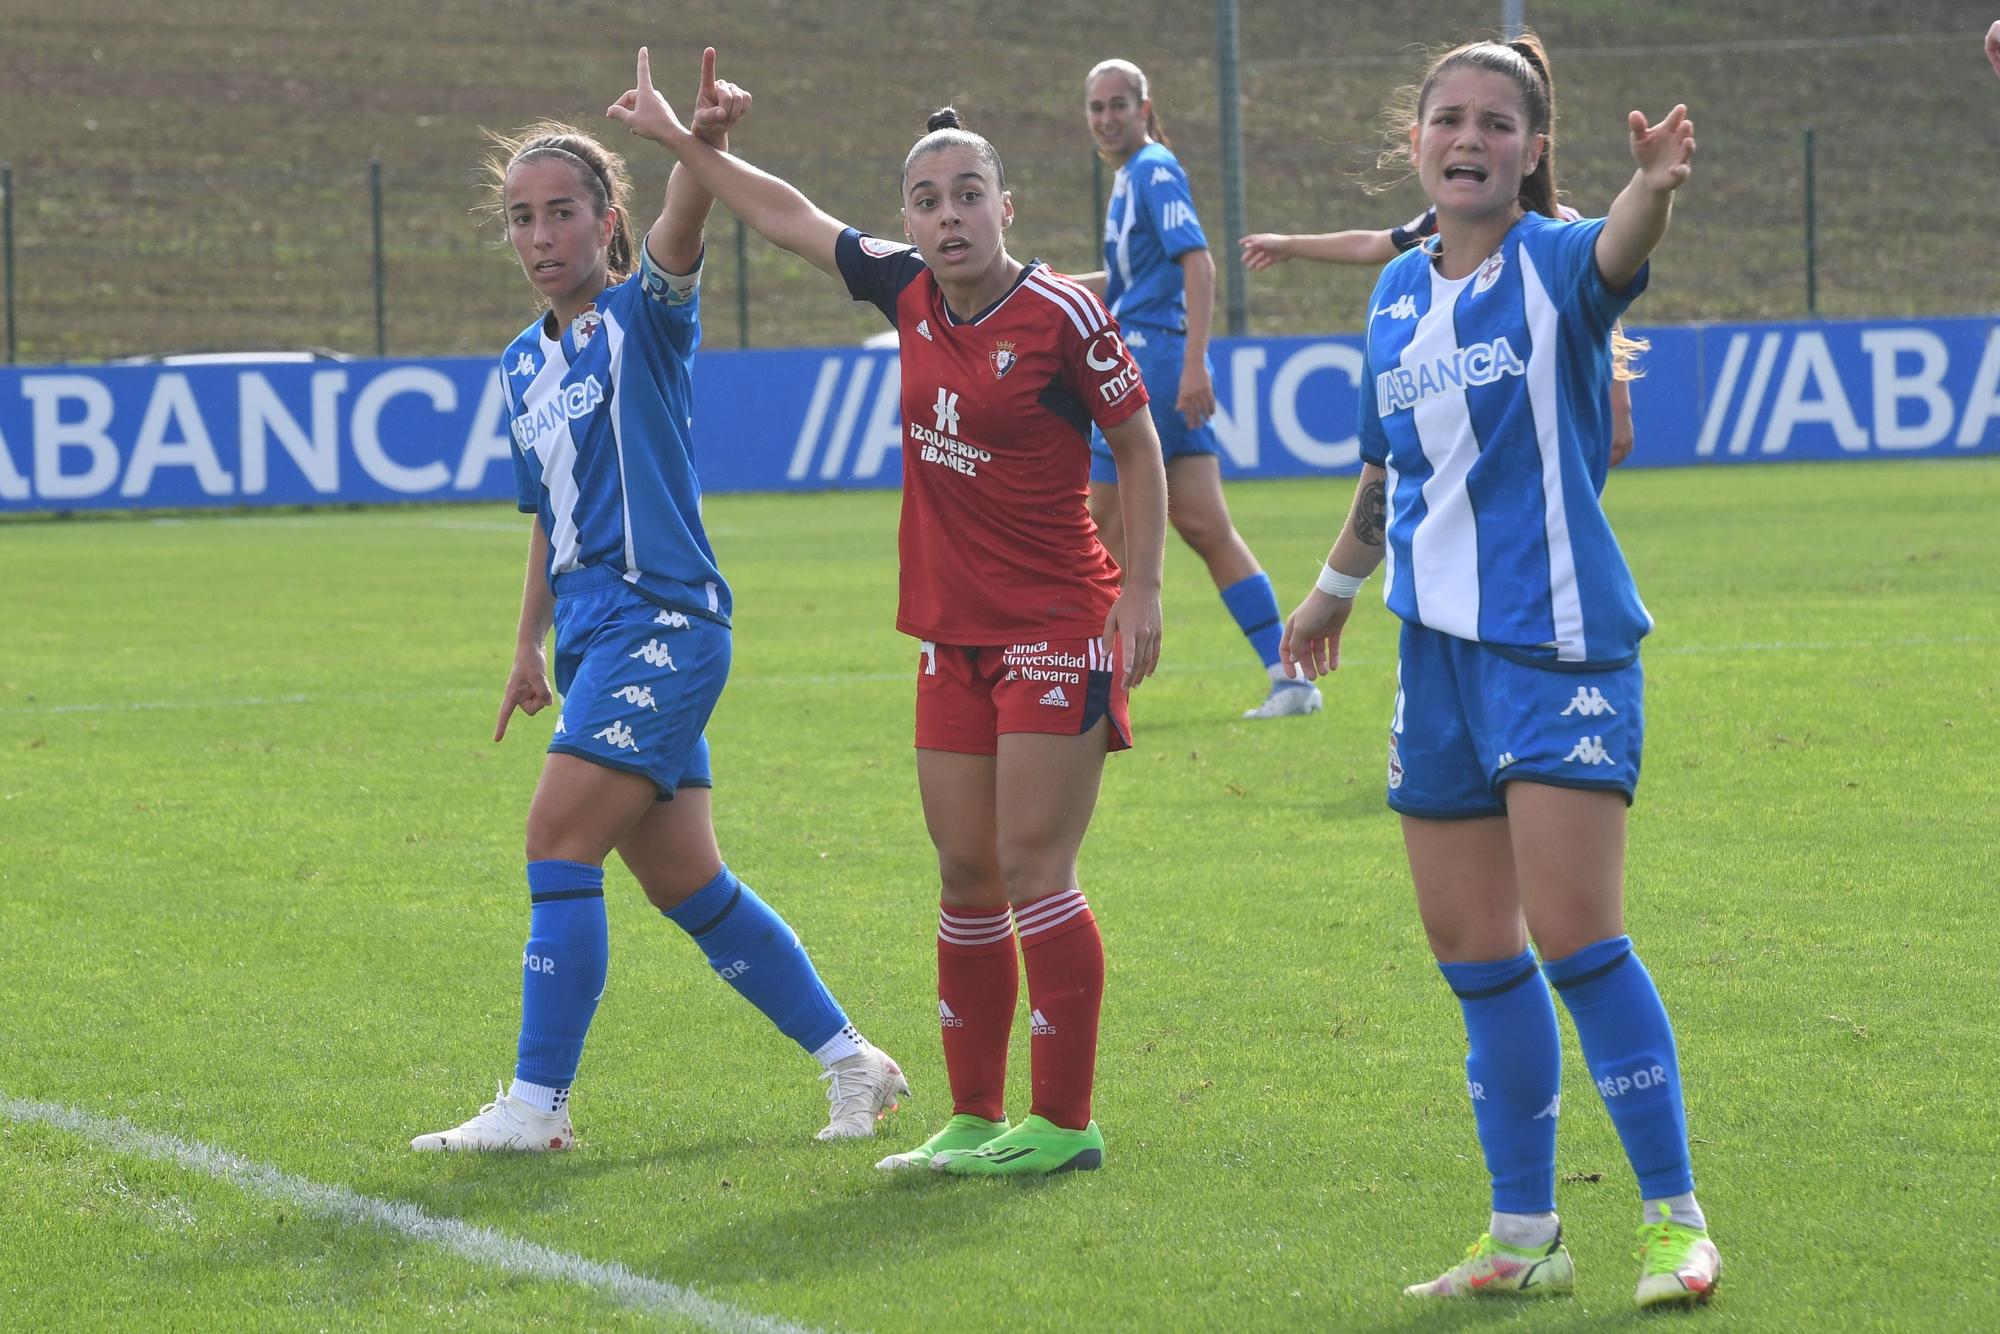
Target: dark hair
[
  {"x": 945, "y": 128},
  {"x": 601, "y": 171},
  {"x": 1135, "y": 79},
  {"x": 1523, "y": 60}
]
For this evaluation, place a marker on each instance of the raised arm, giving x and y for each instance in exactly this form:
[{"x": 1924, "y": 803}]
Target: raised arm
[
  {"x": 1638, "y": 218},
  {"x": 675, "y": 238},
  {"x": 769, "y": 206},
  {"x": 1263, "y": 249}
]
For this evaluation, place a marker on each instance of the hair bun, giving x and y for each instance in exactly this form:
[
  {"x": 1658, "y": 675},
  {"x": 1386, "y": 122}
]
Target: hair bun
[{"x": 944, "y": 118}]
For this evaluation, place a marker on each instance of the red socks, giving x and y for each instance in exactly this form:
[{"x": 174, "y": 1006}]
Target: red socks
[
  {"x": 1065, "y": 963},
  {"x": 978, "y": 984}
]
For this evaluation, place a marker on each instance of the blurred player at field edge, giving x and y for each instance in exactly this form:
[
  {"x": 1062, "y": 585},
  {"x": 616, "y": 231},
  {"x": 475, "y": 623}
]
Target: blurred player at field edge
[
  {"x": 1159, "y": 280},
  {"x": 1515, "y": 741},
  {"x": 1029, "y": 636},
  {"x": 599, "y": 403}
]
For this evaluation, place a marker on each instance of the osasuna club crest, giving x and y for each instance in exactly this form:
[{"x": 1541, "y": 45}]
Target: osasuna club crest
[
  {"x": 1003, "y": 359},
  {"x": 584, "y": 327}
]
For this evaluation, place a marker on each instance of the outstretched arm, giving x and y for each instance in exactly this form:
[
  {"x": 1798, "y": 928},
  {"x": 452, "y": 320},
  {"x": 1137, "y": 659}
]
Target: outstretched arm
[
  {"x": 771, "y": 207},
  {"x": 1263, "y": 249},
  {"x": 675, "y": 238},
  {"x": 1638, "y": 218}
]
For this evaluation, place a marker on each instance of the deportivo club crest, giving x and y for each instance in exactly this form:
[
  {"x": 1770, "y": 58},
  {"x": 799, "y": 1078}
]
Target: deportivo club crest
[
  {"x": 1003, "y": 359},
  {"x": 1489, "y": 272},
  {"x": 584, "y": 327}
]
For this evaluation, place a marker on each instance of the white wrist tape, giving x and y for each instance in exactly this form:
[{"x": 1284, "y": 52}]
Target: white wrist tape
[{"x": 1335, "y": 584}]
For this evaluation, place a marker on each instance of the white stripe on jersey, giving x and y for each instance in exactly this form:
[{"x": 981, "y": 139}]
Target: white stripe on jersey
[
  {"x": 558, "y": 460},
  {"x": 1080, "y": 314},
  {"x": 1093, "y": 305},
  {"x": 1125, "y": 238},
  {"x": 614, "y": 335},
  {"x": 1445, "y": 545},
  {"x": 1565, "y": 603}
]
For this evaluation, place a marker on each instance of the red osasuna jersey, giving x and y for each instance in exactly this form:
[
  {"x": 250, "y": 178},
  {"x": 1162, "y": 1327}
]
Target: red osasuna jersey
[{"x": 997, "y": 543}]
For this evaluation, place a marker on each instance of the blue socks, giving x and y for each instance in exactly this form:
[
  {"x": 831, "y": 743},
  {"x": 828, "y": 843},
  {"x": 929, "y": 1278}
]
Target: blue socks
[
  {"x": 752, "y": 949},
  {"x": 1513, "y": 1070},
  {"x": 1255, "y": 608},
  {"x": 562, "y": 970},
  {"x": 1629, "y": 1047}
]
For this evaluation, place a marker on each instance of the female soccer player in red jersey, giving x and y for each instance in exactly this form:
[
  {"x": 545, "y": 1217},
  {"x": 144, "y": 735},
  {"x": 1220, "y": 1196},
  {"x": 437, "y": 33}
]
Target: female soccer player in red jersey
[{"x": 1031, "y": 635}]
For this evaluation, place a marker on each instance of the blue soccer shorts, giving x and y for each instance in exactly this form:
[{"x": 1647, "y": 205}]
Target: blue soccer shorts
[
  {"x": 1160, "y": 354},
  {"x": 638, "y": 681},
  {"x": 1469, "y": 720}
]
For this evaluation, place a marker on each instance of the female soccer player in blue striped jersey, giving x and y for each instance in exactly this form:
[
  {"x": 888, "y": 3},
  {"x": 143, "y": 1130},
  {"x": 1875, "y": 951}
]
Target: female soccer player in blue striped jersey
[
  {"x": 1514, "y": 747},
  {"x": 1159, "y": 280},
  {"x": 1262, "y": 250},
  {"x": 598, "y": 392}
]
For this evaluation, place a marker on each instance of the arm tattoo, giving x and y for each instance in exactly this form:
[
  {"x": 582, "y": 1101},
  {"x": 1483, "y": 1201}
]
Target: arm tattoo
[{"x": 1370, "y": 509}]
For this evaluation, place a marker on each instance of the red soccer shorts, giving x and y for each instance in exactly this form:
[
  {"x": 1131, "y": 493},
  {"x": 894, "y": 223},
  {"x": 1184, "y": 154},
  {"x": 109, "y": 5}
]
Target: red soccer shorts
[{"x": 968, "y": 697}]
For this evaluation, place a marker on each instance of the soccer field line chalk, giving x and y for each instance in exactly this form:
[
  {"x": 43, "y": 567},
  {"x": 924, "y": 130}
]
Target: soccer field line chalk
[
  {"x": 793, "y": 681},
  {"x": 482, "y": 1245}
]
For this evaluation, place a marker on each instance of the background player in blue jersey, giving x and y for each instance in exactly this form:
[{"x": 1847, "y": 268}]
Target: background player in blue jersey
[
  {"x": 1515, "y": 744},
  {"x": 598, "y": 392},
  {"x": 1159, "y": 280}
]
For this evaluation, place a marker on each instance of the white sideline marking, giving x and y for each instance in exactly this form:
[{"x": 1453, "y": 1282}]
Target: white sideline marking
[
  {"x": 481, "y": 1245},
  {"x": 865, "y": 678}
]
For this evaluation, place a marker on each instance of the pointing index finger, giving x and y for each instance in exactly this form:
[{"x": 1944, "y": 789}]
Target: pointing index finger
[
  {"x": 708, "y": 73},
  {"x": 645, "y": 77}
]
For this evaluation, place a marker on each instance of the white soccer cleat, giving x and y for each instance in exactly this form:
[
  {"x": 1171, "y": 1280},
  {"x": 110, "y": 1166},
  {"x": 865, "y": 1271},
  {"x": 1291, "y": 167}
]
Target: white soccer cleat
[
  {"x": 503, "y": 1125},
  {"x": 861, "y": 1089},
  {"x": 1288, "y": 699}
]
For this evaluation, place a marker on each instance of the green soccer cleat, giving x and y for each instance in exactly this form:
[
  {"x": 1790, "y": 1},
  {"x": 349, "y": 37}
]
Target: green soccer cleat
[
  {"x": 964, "y": 1131},
  {"x": 1678, "y": 1265},
  {"x": 1036, "y": 1147},
  {"x": 1491, "y": 1269}
]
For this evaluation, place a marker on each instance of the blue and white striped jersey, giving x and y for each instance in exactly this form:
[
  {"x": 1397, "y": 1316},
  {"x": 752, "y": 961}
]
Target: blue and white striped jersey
[
  {"x": 1485, "y": 399},
  {"x": 1148, "y": 226},
  {"x": 603, "y": 446}
]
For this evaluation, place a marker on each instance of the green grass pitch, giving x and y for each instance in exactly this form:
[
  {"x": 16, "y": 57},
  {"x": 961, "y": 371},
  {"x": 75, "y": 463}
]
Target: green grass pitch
[{"x": 260, "y": 890}]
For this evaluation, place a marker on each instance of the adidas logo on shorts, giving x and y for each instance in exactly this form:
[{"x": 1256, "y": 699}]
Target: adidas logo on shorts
[{"x": 1055, "y": 699}]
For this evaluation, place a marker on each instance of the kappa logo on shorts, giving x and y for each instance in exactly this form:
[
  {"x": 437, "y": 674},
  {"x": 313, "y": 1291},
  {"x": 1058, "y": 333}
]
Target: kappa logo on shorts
[
  {"x": 619, "y": 735},
  {"x": 656, "y": 655},
  {"x": 1395, "y": 758},
  {"x": 1506, "y": 758},
  {"x": 1055, "y": 699},
  {"x": 1550, "y": 1112},
  {"x": 1589, "y": 750},
  {"x": 1135, "y": 338},
  {"x": 639, "y": 695},
  {"x": 671, "y": 619},
  {"x": 1589, "y": 702},
  {"x": 561, "y": 726}
]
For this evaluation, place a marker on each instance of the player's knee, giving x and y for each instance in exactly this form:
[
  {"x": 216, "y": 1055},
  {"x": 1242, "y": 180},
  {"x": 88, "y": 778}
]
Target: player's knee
[
  {"x": 969, "y": 881},
  {"x": 1029, "y": 872}
]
